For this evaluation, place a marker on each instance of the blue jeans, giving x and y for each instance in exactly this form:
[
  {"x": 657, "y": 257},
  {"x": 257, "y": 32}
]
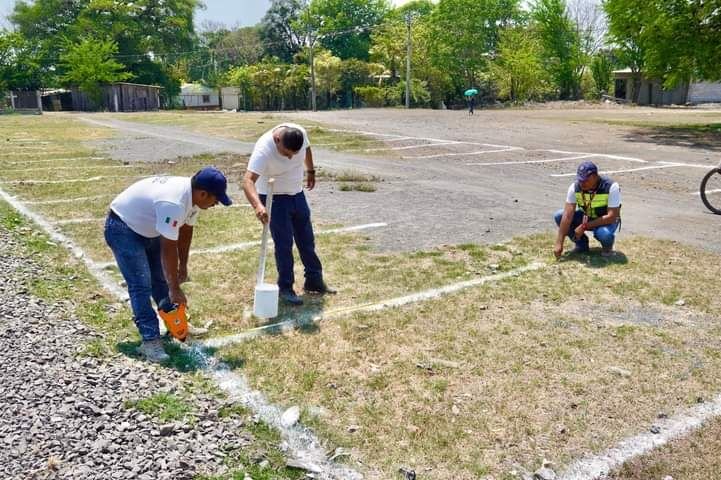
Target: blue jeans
[
  {"x": 139, "y": 261},
  {"x": 605, "y": 234},
  {"x": 290, "y": 220}
]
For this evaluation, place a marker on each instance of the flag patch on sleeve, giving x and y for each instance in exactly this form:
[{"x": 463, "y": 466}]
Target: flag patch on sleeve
[{"x": 167, "y": 219}]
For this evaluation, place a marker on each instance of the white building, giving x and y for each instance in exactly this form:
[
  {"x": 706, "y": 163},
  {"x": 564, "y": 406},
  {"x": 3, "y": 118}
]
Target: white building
[
  {"x": 199, "y": 97},
  {"x": 652, "y": 91}
]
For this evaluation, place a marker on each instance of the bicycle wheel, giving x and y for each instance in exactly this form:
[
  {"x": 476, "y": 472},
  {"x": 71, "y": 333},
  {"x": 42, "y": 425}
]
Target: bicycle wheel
[{"x": 711, "y": 190}]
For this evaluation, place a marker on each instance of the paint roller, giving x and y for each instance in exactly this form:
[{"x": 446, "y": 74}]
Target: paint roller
[{"x": 265, "y": 303}]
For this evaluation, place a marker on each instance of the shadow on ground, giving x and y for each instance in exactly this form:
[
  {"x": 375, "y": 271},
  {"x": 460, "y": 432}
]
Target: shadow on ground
[
  {"x": 594, "y": 259},
  {"x": 706, "y": 137}
]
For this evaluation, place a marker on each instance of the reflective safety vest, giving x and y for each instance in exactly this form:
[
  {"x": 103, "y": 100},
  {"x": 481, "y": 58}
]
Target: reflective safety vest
[{"x": 594, "y": 204}]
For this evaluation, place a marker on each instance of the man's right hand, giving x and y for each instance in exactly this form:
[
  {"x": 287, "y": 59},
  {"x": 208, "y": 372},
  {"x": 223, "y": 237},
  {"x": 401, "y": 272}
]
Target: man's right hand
[
  {"x": 558, "y": 249},
  {"x": 261, "y": 213},
  {"x": 177, "y": 296}
]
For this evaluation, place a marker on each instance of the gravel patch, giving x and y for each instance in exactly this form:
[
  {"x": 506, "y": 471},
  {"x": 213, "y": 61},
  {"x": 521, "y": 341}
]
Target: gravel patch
[{"x": 64, "y": 415}]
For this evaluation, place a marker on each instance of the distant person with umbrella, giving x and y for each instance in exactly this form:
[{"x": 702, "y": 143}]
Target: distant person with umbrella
[{"x": 471, "y": 94}]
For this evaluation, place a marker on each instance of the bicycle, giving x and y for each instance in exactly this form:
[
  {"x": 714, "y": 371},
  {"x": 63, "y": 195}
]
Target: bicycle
[{"x": 710, "y": 190}]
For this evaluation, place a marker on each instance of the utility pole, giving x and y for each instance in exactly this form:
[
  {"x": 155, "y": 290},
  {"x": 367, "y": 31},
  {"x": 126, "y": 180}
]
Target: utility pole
[
  {"x": 312, "y": 75},
  {"x": 409, "y": 19}
]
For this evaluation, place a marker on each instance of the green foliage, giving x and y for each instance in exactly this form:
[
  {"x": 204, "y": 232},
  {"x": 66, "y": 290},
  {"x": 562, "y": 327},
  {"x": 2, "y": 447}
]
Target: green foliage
[
  {"x": 561, "y": 44},
  {"x": 465, "y": 34},
  {"x": 378, "y": 96},
  {"x": 671, "y": 40},
  {"x": 279, "y": 29},
  {"x": 21, "y": 63},
  {"x": 165, "y": 407},
  {"x": 602, "y": 72},
  {"x": 518, "y": 69},
  {"x": 89, "y": 63},
  {"x": 346, "y": 24}
]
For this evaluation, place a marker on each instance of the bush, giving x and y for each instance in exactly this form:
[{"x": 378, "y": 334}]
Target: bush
[{"x": 378, "y": 96}]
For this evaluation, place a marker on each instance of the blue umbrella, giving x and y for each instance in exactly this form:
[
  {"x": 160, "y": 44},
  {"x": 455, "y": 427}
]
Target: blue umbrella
[{"x": 470, "y": 92}]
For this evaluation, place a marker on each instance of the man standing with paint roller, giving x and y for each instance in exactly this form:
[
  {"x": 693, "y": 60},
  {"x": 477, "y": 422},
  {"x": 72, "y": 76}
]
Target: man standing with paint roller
[
  {"x": 149, "y": 229},
  {"x": 282, "y": 153}
]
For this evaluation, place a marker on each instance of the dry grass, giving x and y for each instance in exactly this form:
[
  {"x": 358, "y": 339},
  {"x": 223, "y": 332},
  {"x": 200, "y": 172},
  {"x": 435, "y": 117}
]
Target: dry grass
[
  {"x": 693, "y": 458},
  {"x": 249, "y": 127},
  {"x": 509, "y": 373}
]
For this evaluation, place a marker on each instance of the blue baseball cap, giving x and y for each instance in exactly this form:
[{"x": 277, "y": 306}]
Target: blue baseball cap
[
  {"x": 585, "y": 170},
  {"x": 214, "y": 182}
]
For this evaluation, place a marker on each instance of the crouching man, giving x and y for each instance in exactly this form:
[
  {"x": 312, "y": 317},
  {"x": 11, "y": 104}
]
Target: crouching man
[
  {"x": 149, "y": 229},
  {"x": 593, "y": 203}
]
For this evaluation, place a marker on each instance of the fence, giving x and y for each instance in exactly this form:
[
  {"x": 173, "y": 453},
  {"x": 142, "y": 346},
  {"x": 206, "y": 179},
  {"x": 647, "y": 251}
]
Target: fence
[{"x": 22, "y": 101}]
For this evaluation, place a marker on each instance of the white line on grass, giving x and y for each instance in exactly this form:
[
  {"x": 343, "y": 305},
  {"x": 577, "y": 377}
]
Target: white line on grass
[
  {"x": 524, "y": 162},
  {"x": 75, "y": 221},
  {"x": 598, "y": 466},
  {"x": 303, "y": 445},
  {"x": 69, "y": 180},
  {"x": 479, "y": 152},
  {"x": 69, "y": 167},
  {"x": 65, "y": 159},
  {"x": 102, "y": 276},
  {"x": 428, "y": 139},
  {"x": 369, "y": 307},
  {"x": 609, "y": 172},
  {"x": 234, "y": 247},
  {"x": 68, "y": 200},
  {"x": 698, "y": 194}
]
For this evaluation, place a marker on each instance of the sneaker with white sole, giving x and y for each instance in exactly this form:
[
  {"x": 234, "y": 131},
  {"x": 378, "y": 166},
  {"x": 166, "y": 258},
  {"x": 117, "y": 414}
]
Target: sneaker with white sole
[{"x": 153, "y": 351}]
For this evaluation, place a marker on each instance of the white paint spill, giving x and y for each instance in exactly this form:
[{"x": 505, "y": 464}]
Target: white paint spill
[
  {"x": 609, "y": 172},
  {"x": 302, "y": 444},
  {"x": 524, "y": 162},
  {"x": 289, "y": 325},
  {"x": 598, "y": 466}
]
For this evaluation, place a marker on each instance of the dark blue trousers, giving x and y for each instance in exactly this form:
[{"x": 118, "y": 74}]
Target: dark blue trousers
[{"x": 289, "y": 221}]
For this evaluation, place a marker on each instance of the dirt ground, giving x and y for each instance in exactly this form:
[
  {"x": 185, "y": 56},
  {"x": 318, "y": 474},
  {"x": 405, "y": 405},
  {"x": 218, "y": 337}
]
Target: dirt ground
[{"x": 443, "y": 200}]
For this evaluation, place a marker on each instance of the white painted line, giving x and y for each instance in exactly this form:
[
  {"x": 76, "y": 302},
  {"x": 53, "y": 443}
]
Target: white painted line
[
  {"x": 698, "y": 194},
  {"x": 422, "y": 296},
  {"x": 69, "y": 167},
  {"x": 604, "y": 155},
  {"x": 102, "y": 276},
  {"x": 598, "y": 466},
  {"x": 439, "y": 140},
  {"x": 234, "y": 247},
  {"x": 27, "y": 154},
  {"x": 65, "y": 159},
  {"x": 68, "y": 200},
  {"x": 410, "y": 147},
  {"x": 303, "y": 445},
  {"x": 75, "y": 221},
  {"x": 69, "y": 180},
  {"x": 551, "y": 160},
  {"x": 480, "y": 152},
  {"x": 691, "y": 165},
  {"x": 388, "y": 140},
  {"x": 655, "y": 167}
]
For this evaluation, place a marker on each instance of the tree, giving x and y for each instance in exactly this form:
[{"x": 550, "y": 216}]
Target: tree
[
  {"x": 674, "y": 41},
  {"x": 89, "y": 64},
  {"x": 328, "y": 74},
  {"x": 561, "y": 44},
  {"x": 22, "y": 63},
  {"x": 466, "y": 33},
  {"x": 602, "y": 72},
  {"x": 347, "y": 24},
  {"x": 277, "y": 29},
  {"x": 518, "y": 69}
]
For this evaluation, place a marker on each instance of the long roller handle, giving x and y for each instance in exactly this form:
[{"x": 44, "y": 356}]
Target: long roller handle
[{"x": 264, "y": 239}]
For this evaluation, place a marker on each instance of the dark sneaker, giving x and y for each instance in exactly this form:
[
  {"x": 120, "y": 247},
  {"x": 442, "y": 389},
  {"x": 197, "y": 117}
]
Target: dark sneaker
[
  {"x": 290, "y": 297},
  {"x": 579, "y": 250},
  {"x": 321, "y": 289}
]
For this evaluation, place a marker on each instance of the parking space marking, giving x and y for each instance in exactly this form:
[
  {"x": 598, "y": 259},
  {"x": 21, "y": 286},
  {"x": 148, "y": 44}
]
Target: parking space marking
[
  {"x": 479, "y": 152},
  {"x": 629, "y": 170},
  {"x": 523, "y": 162}
]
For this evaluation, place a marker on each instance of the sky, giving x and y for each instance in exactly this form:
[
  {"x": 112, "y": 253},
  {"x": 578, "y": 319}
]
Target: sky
[{"x": 229, "y": 12}]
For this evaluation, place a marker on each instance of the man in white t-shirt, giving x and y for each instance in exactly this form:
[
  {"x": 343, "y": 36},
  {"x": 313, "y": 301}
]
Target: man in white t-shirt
[
  {"x": 149, "y": 229},
  {"x": 282, "y": 153},
  {"x": 593, "y": 203}
]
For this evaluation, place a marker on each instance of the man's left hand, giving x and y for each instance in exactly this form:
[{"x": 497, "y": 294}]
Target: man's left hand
[
  {"x": 579, "y": 231},
  {"x": 310, "y": 180}
]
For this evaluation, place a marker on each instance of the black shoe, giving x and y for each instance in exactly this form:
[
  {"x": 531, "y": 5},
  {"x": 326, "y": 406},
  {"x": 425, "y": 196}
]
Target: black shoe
[
  {"x": 321, "y": 289},
  {"x": 290, "y": 297}
]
